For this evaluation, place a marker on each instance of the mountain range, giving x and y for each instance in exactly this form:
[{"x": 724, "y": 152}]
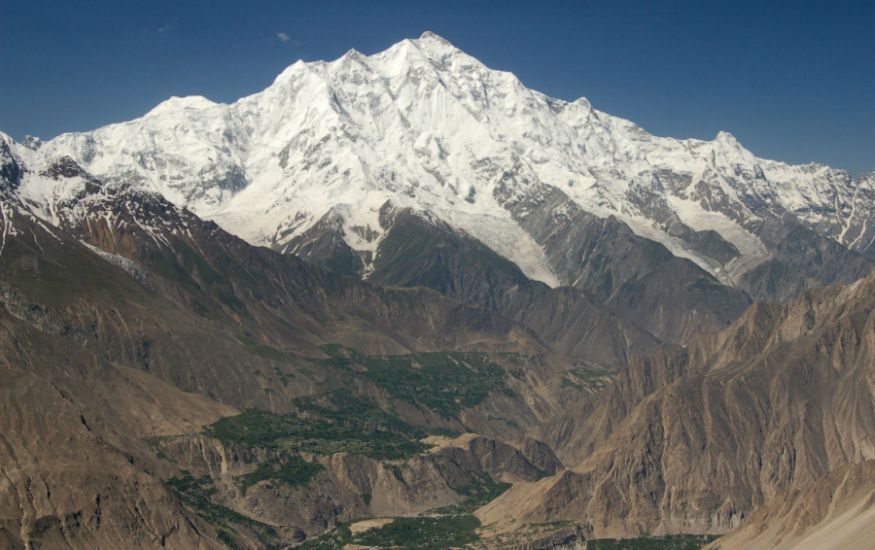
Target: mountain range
[{"x": 405, "y": 284}]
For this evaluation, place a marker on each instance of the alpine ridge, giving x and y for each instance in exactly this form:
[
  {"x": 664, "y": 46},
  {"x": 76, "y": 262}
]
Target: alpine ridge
[{"x": 426, "y": 126}]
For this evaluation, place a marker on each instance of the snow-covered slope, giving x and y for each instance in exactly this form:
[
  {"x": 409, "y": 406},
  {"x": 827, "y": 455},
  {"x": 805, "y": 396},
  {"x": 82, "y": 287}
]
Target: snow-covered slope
[{"x": 425, "y": 125}]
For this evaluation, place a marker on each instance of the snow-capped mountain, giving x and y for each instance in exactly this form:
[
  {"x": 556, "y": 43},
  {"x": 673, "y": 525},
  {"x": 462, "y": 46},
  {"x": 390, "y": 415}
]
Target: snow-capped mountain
[{"x": 424, "y": 125}]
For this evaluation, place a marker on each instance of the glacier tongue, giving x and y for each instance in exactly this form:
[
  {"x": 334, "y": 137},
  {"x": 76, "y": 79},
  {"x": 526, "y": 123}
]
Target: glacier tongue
[{"x": 425, "y": 125}]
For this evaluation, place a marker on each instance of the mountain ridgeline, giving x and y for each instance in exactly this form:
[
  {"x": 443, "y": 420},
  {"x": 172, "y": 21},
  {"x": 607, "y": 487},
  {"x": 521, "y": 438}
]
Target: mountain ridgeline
[{"x": 401, "y": 300}]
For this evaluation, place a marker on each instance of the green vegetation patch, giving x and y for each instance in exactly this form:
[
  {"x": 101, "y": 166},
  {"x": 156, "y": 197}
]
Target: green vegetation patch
[
  {"x": 415, "y": 533},
  {"x": 154, "y": 443},
  {"x": 295, "y": 472},
  {"x": 705, "y": 284},
  {"x": 587, "y": 380},
  {"x": 227, "y": 539},
  {"x": 445, "y": 382},
  {"x": 424, "y": 533},
  {"x": 197, "y": 493},
  {"x": 526, "y": 534},
  {"x": 478, "y": 491},
  {"x": 670, "y": 542},
  {"x": 357, "y": 427},
  {"x": 481, "y": 491},
  {"x": 330, "y": 540}
]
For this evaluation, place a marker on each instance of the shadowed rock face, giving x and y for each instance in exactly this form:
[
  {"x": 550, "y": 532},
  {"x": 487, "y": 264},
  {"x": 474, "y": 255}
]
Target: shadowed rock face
[
  {"x": 802, "y": 259},
  {"x": 637, "y": 279},
  {"x": 771, "y": 404},
  {"x": 10, "y": 169},
  {"x": 416, "y": 252},
  {"x": 835, "y": 511},
  {"x": 323, "y": 245},
  {"x": 645, "y": 289}
]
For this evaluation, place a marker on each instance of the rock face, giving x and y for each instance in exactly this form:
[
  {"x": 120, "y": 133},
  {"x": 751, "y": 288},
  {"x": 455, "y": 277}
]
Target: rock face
[
  {"x": 801, "y": 259},
  {"x": 776, "y": 402},
  {"x": 350, "y": 486},
  {"x": 416, "y": 251},
  {"x": 75, "y": 470},
  {"x": 836, "y": 511},
  {"x": 10, "y": 169}
]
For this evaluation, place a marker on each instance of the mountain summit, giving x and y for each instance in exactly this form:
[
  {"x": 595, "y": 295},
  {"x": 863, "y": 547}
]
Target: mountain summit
[{"x": 425, "y": 126}]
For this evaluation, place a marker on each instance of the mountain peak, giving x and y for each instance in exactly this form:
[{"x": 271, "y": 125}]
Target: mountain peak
[
  {"x": 428, "y": 35},
  {"x": 292, "y": 69},
  {"x": 428, "y": 126},
  {"x": 353, "y": 53},
  {"x": 431, "y": 42},
  {"x": 729, "y": 142},
  {"x": 723, "y": 135},
  {"x": 175, "y": 103}
]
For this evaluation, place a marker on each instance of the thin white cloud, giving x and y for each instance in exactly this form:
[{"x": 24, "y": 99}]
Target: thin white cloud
[
  {"x": 284, "y": 38},
  {"x": 169, "y": 24}
]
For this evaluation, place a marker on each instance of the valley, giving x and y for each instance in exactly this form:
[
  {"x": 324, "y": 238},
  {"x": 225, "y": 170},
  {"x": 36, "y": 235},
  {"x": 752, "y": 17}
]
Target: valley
[{"x": 403, "y": 301}]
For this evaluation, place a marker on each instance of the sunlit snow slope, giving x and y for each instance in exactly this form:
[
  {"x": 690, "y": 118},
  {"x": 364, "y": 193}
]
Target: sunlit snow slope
[{"x": 425, "y": 125}]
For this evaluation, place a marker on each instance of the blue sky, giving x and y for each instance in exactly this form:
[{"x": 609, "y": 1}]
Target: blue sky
[{"x": 793, "y": 81}]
